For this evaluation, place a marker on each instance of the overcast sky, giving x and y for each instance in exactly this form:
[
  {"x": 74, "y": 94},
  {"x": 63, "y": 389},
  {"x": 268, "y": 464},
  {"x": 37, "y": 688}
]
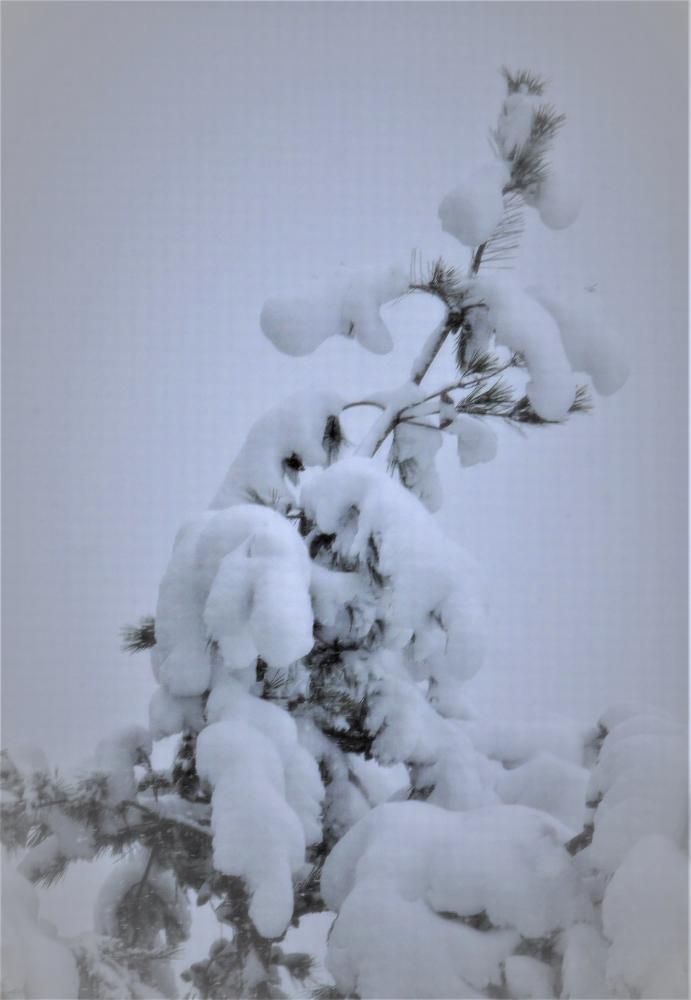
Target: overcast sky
[{"x": 168, "y": 166}]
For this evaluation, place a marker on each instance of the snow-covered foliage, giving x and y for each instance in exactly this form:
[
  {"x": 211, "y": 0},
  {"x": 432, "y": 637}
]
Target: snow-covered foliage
[
  {"x": 266, "y": 800},
  {"x": 640, "y": 782},
  {"x": 299, "y": 432},
  {"x": 456, "y": 895},
  {"x": 237, "y": 587},
  {"x": 314, "y": 632},
  {"x": 528, "y": 164},
  {"x": 35, "y": 962},
  {"x": 504, "y": 311}
]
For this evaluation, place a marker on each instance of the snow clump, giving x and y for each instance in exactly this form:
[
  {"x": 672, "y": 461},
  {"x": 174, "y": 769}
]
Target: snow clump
[
  {"x": 347, "y": 305},
  {"x": 299, "y": 432},
  {"x": 474, "y": 209},
  {"x": 517, "y": 321},
  {"x": 428, "y": 597},
  {"x": 590, "y": 345},
  {"x": 266, "y": 800},
  {"x": 501, "y": 867},
  {"x": 237, "y": 587}
]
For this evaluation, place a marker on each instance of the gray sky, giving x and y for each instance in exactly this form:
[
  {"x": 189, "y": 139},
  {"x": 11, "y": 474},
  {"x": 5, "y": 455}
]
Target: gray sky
[{"x": 168, "y": 166}]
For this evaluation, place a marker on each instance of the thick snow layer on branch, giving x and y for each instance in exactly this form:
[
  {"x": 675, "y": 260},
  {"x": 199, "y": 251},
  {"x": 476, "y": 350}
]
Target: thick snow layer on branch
[
  {"x": 240, "y": 578},
  {"x": 474, "y": 209},
  {"x": 347, "y": 304},
  {"x": 642, "y": 777},
  {"x": 590, "y": 345},
  {"x": 645, "y": 916},
  {"x": 427, "y": 585},
  {"x": 415, "y": 871},
  {"x": 304, "y": 790},
  {"x": 414, "y": 953},
  {"x": 520, "y": 323},
  {"x": 545, "y": 782},
  {"x": 291, "y": 436},
  {"x": 409, "y": 729},
  {"x": 514, "y": 742},
  {"x": 266, "y": 799},
  {"x": 35, "y": 962}
]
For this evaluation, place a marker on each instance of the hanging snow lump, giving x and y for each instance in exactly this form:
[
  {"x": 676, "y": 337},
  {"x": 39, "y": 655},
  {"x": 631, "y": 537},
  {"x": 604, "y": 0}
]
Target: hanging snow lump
[
  {"x": 301, "y": 431},
  {"x": 476, "y": 441},
  {"x": 558, "y": 201},
  {"x": 520, "y": 323},
  {"x": 474, "y": 209},
  {"x": 428, "y": 585},
  {"x": 346, "y": 305},
  {"x": 237, "y": 587},
  {"x": 590, "y": 345}
]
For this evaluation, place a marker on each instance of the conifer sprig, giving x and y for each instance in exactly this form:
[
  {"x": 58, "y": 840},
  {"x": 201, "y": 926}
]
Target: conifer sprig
[
  {"x": 137, "y": 638},
  {"x": 523, "y": 79}
]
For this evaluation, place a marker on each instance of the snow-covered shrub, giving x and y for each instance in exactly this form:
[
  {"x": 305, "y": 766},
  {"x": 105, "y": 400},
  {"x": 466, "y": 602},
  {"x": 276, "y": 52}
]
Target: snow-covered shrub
[{"x": 312, "y": 639}]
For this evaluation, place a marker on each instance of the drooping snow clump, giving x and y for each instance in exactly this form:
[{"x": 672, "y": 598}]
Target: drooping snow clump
[
  {"x": 557, "y": 200},
  {"x": 504, "y": 310},
  {"x": 638, "y": 857},
  {"x": 474, "y": 209},
  {"x": 429, "y": 878},
  {"x": 640, "y": 782},
  {"x": 477, "y": 442},
  {"x": 590, "y": 345},
  {"x": 266, "y": 801},
  {"x": 429, "y": 599},
  {"x": 237, "y": 587},
  {"x": 347, "y": 305},
  {"x": 299, "y": 432}
]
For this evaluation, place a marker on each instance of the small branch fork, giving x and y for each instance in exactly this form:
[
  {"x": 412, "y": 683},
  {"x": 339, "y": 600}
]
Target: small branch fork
[{"x": 453, "y": 324}]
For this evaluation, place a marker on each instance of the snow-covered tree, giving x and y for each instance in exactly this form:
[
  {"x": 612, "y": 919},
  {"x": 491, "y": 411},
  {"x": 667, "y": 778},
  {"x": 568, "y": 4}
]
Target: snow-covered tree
[{"x": 313, "y": 634}]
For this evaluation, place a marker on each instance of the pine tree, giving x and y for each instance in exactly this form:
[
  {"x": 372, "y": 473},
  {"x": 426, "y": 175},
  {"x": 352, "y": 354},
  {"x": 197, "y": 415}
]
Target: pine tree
[{"x": 313, "y": 632}]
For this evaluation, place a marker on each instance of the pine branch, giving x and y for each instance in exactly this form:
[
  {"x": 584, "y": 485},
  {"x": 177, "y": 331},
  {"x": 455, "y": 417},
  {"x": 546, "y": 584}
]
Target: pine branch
[
  {"x": 273, "y": 501},
  {"x": 486, "y": 400},
  {"x": 138, "y": 894},
  {"x": 525, "y": 80},
  {"x": 522, "y": 412},
  {"x": 528, "y": 162},
  {"x": 136, "y": 638},
  {"x": 444, "y": 281},
  {"x": 501, "y": 247}
]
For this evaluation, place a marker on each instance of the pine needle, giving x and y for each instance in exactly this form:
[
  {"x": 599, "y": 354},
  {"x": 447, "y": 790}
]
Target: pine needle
[
  {"x": 502, "y": 246},
  {"x": 523, "y": 79},
  {"x": 136, "y": 638}
]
